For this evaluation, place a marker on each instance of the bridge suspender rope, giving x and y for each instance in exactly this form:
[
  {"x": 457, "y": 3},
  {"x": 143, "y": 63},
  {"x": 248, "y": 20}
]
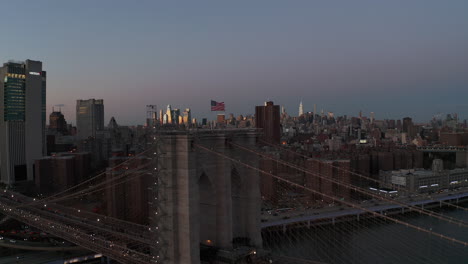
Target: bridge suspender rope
[
  {"x": 359, "y": 175},
  {"x": 334, "y": 198},
  {"x": 360, "y": 190},
  {"x": 49, "y": 198}
]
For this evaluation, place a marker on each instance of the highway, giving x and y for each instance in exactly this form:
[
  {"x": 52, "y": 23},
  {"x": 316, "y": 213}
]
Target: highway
[{"x": 298, "y": 216}]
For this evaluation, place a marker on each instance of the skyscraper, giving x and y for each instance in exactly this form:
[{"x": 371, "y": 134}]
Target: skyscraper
[
  {"x": 301, "y": 109},
  {"x": 315, "y": 113},
  {"x": 22, "y": 119},
  {"x": 169, "y": 115},
  {"x": 268, "y": 118},
  {"x": 57, "y": 122},
  {"x": 89, "y": 117},
  {"x": 407, "y": 123},
  {"x": 161, "y": 116},
  {"x": 187, "y": 116},
  {"x": 175, "y": 116}
]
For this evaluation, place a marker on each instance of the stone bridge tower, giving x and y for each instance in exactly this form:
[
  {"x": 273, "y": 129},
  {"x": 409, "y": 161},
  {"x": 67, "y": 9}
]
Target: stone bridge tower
[{"x": 203, "y": 198}]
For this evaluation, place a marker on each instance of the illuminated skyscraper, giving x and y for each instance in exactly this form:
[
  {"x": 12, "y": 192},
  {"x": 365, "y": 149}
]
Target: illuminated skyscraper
[
  {"x": 22, "y": 119},
  {"x": 187, "y": 116},
  {"x": 161, "y": 116},
  {"x": 301, "y": 109},
  {"x": 169, "y": 115}
]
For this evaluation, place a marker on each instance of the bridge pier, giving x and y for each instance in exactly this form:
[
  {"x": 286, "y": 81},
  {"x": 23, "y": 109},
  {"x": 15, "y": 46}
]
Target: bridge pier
[
  {"x": 358, "y": 217},
  {"x": 333, "y": 220},
  {"x": 208, "y": 199},
  {"x": 178, "y": 201},
  {"x": 308, "y": 224}
]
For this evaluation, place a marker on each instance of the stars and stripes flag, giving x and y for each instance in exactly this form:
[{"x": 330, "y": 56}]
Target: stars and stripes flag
[{"x": 217, "y": 106}]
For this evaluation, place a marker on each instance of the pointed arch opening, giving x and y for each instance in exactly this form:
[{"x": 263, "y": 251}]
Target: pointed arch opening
[{"x": 207, "y": 207}]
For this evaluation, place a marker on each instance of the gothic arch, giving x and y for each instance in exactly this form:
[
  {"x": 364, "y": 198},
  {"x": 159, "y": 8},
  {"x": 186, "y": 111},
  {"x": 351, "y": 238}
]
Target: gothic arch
[{"x": 207, "y": 213}]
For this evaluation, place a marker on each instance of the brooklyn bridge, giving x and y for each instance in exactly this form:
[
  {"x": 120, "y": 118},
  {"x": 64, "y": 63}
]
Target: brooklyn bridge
[{"x": 206, "y": 196}]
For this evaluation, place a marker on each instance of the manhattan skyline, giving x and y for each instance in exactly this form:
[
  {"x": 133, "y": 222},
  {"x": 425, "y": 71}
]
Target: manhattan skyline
[{"x": 394, "y": 59}]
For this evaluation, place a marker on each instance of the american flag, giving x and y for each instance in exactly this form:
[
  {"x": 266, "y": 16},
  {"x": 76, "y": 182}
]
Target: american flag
[{"x": 217, "y": 106}]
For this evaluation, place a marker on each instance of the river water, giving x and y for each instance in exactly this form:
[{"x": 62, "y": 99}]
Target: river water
[{"x": 376, "y": 241}]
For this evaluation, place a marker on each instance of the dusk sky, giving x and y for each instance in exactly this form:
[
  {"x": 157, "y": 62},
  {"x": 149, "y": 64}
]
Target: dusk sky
[{"x": 395, "y": 58}]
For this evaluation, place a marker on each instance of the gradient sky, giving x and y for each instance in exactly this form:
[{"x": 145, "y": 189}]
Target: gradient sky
[{"x": 395, "y": 58}]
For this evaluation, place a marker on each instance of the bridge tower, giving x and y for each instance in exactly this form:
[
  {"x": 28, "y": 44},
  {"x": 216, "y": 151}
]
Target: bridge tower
[{"x": 203, "y": 198}]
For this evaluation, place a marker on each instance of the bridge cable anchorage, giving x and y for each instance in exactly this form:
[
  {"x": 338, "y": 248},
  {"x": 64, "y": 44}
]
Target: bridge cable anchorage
[
  {"x": 360, "y": 190},
  {"x": 338, "y": 200},
  {"x": 394, "y": 186}
]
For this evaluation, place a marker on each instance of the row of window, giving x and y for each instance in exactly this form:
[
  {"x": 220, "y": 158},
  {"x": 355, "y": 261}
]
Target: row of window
[{"x": 16, "y": 75}]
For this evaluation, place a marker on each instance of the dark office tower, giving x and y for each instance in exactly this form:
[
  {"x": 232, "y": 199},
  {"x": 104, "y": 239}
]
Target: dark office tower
[
  {"x": 175, "y": 116},
  {"x": 57, "y": 123},
  {"x": 268, "y": 118},
  {"x": 89, "y": 117},
  {"x": 398, "y": 124},
  {"x": 407, "y": 123},
  {"x": 22, "y": 119}
]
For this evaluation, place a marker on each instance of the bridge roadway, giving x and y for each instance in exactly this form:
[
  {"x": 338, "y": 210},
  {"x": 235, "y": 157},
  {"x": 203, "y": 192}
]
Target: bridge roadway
[
  {"x": 107, "y": 222},
  {"x": 35, "y": 246},
  {"x": 87, "y": 233},
  {"x": 333, "y": 213},
  {"x": 51, "y": 257}
]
